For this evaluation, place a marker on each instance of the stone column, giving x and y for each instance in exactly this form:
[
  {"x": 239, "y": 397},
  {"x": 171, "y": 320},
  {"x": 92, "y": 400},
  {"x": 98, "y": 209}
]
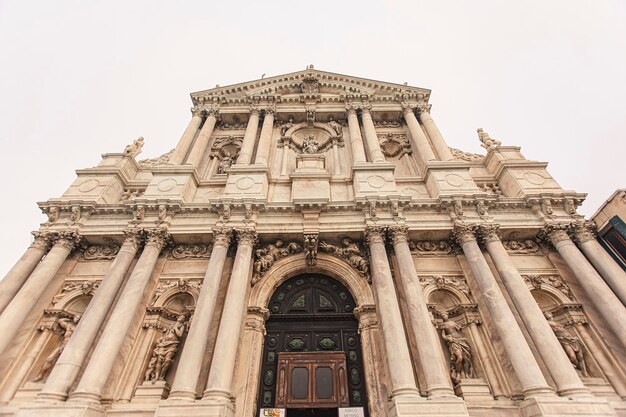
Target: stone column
[
  {"x": 564, "y": 375},
  {"x": 612, "y": 273},
  {"x": 17, "y": 276},
  {"x": 437, "y": 140},
  {"x": 265, "y": 141},
  {"x": 107, "y": 350},
  {"x": 219, "y": 383},
  {"x": 202, "y": 141},
  {"x": 605, "y": 300},
  {"x": 424, "y": 150},
  {"x": 376, "y": 155},
  {"x": 27, "y": 297},
  {"x": 428, "y": 345},
  {"x": 519, "y": 353},
  {"x": 356, "y": 141},
  {"x": 249, "y": 138},
  {"x": 179, "y": 153},
  {"x": 73, "y": 356},
  {"x": 190, "y": 364},
  {"x": 398, "y": 357}
]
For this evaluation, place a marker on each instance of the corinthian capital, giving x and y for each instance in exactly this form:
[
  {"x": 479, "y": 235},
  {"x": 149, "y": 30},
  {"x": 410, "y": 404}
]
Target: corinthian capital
[
  {"x": 157, "y": 238},
  {"x": 132, "y": 239},
  {"x": 42, "y": 241},
  {"x": 246, "y": 237},
  {"x": 489, "y": 233},
  {"x": 197, "y": 111},
  {"x": 67, "y": 240},
  {"x": 584, "y": 232},
  {"x": 423, "y": 107},
  {"x": 407, "y": 107},
  {"x": 375, "y": 234},
  {"x": 555, "y": 233},
  {"x": 254, "y": 109},
  {"x": 270, "y": 109},
  {"x": 222, "y": 236},
  {"x": 464, "y": 233},
  {"x": 212, "y": 111},
  {"x": 399, "y": 234}
]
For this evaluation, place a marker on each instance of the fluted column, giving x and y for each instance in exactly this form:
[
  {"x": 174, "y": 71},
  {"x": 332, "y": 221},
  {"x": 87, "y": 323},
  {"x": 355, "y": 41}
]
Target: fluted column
[
  {"x": 190, "y": 364},
  {"x": 202, "y": 141},
  {"x": 605, "y": 300},
  {"x": 428, "y": 345},
  {"x": 356, "y": 141},
  {"x": 219, "y": 383},
  {"x": 179, "y": 153},
  {"x": 75, "y": 352},
  {"x": 17, "y": 276},
  {"x": 398, "y": 357},
  {"x": 567, "y": 381},
  {"x": 27, "y": 297},
  {"x": 265, "y": 140},
  {"x": 373, "y": 145},
  {"x": 436, "y": 138},
  {"x": 612, "y": 273},
  {"x": 424, "y": 150},
  {"x": 94, "y": 378},
  {"x": 249, "y": 138},
  {"x": 519, "y": 353}
]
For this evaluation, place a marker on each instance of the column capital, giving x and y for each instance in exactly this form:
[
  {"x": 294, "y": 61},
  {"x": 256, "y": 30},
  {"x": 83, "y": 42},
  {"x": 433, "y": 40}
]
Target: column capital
[
  {"x": 67, "y": 240},
  {"x": 399, "y": 234},
  {"x": 246, "y": 237},
  {"x": 260, "y": 313},
  {"x": 212, "y": 111},
  {"x": 41, "y": 241},
  {"x": 197, "y": 111},
  {"x": 351, "y": 108},
  {"x": 407, "y": 108},
  {"x": 132, "y": 239},
  {"x": 222, "y": 236},
  {"x": 464, "y": 233},
  {"x": 423, "y": 107},
  {"x": 365, "y": 108},
  {"x": 489, "y": 233},
  {"x": 254, "y": 109},
  {"x": 270, "y": 109},
  {"x": 157, "y": 238},
  {"x": 584, "y": 232},
  {"x": 375, "y": 234},
  {"x": 555, "y": 233}
]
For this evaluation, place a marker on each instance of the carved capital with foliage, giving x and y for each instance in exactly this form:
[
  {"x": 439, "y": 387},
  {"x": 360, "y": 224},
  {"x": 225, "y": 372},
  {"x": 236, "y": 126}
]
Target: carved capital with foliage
[
  {"x": 464, "y": 233},
  {"x": 375, "y": 234},
  {"x": 222, "y": 236},
  {"x": 399, "y": 234},
  {"x": 42, "y": 241},
  {"x": 584, "y": 232},
  {"x": 246, "y": 237},
  {"x": 489, "y": 233},
  {"x": 157, "y": 238},
  {"x": 67, "y": 240}
]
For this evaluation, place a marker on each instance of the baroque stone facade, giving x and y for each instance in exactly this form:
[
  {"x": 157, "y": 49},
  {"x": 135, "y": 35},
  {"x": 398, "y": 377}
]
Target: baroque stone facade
[{"x": 313, "y": 244}]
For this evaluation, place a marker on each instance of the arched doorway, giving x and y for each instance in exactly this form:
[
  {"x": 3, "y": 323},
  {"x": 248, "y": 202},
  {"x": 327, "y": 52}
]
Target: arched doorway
[{"x": 312, "y": 361}]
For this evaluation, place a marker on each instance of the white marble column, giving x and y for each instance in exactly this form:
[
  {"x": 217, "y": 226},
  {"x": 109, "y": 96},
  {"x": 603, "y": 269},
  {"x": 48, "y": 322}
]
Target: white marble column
[
  {"x": 75, "y": 352},
  {"x": 107, "y": 350},
  {"x": 17, "y": 276},
  {"x": 612, "y": 273},
  {"x": 439, "y": 143},
  {"x": 428, "y": 346},
  {"x": 605, "y": 300},
  {"x": 265, "y": 140},
  {"x": 398, "y": 357},
  {"x": 218, "y": 389},
  {"x": 526, "y": 368},
  {"x": 424, "y": 150},
  {"x": 373, "y": 145},
  {"x": 27, "y": 297},
  {"x": 190, "y": 364},
  {"x": 178, "y": 156},
  {"x": 202, "y": 141},
  {"x": 567, "y": 381},
  {"x": 249, "y": 138},
  {"x": 356, "y": 141}
]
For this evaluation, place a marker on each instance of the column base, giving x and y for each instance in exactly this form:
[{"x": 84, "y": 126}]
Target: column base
[
  {"x": 563, "y": 407},
  {"x": 28, "y": 392},
  {"x": 198, "y": 409},
  {"x": 84, "y": 397},
  {"x": 416, "y": 406},
  {"x": 473, "y": 389},
  {"x": 149, "y": 392},
  {"x": 182, "y": 395},
  {"x": 60, "y": 410}
]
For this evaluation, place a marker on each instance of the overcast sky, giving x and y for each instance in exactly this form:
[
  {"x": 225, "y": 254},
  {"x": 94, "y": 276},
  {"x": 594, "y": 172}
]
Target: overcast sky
[{"x": 78, "y": 79}]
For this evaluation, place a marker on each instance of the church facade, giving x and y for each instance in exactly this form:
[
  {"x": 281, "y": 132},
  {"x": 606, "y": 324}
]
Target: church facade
[{"x": 313, "y": 247}]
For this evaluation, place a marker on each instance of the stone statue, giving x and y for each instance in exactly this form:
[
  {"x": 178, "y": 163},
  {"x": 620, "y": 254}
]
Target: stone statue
[
  {"x": 164, "y": 351},
  {"x": 335, "y": 126},
  {"x": 225, "y": 162},
  {"x": 349, "y": 251},
  {"x": 486, "y": 141},
  {"x": 460, "y": 352},
  {"x": 310, "y": 249},
  {"x": 310, "y": 145},
  {"x": 68, "y": 327},
  {"x": 571, "y": 345},
  {"x": 286, "y": 126},
  {"x": 265, "y": 257},
  {"x": 134, "y": 148}
]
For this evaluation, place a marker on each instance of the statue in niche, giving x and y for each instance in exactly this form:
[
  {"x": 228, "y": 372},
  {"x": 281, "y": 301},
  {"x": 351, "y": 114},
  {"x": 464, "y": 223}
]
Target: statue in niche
[
  {"x": 571, "y": 345},
  {"x": 134, "y": 148},
  {"x": 310, "y": 249},
  {"x": 486, "y": 141},
  {"x": 310, "y": 145},
  {"x": 335, "y": 126},
  {"x": 349, "y": 251},
  {"x": 68, "y": 327},
  {"x": 460, "y": 352},
  {"x": 226, "y": 161},
  {"x": 265, "y": 257},
  {"x": 286, "y": 126},
  {"x": 164, "y": 351}
]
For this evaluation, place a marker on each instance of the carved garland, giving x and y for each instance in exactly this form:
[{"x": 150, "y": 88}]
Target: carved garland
[{"x": 267, "y": 255}]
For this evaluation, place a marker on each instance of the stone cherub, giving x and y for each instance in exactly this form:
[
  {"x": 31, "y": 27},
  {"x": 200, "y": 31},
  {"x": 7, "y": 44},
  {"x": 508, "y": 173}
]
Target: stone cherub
[
  {"x": 486, "y": 141},
  {"x": 310, "y": 249},
  {"x": 286, "y": 126},
  {"x": 349, "y": 251},
  {"x": 570, "y": 344},
  {"x": 265, "y": 257},
  {"x": 164, "y": 351},
  {"x": 460, "y": 352},
  {"x": 68, "y": 327},
  {"x": 134, "y": 148}
]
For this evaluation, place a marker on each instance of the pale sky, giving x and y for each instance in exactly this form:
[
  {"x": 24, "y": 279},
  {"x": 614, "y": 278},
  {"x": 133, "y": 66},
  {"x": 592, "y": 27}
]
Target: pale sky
[{"x": 78, "y": 79}]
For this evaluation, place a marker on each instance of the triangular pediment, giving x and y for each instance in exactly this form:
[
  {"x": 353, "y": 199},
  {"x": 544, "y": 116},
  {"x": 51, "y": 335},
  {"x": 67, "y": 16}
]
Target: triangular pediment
[{"x": 310, "y": 84}]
